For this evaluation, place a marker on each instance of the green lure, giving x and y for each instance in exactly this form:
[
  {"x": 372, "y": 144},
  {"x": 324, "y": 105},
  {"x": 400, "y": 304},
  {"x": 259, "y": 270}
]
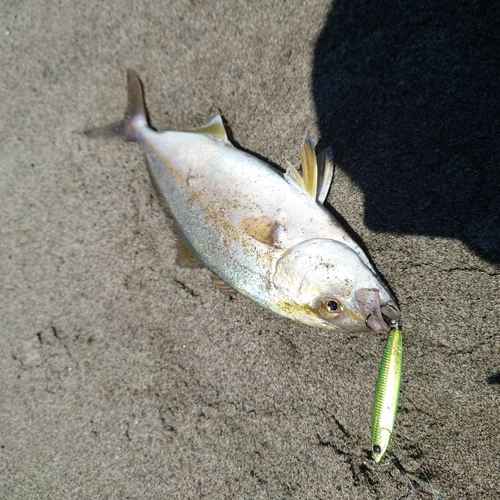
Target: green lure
[{"x": 385, "y": 402}]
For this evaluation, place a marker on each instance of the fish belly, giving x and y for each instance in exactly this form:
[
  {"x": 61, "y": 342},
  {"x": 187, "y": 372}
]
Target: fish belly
[{"x": 208, "y": 186}]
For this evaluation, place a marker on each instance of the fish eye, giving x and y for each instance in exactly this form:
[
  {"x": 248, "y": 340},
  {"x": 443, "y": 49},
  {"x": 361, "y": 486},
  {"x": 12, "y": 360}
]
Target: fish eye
[
  {"x": 330, "y": 308},
  {"x": 376, "y": 448},
  {"x": 332, "y": 305}
]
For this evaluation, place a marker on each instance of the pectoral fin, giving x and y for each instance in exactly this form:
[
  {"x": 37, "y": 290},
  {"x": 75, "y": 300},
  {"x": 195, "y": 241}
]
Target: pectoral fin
[{"x": 263, "y": 229}]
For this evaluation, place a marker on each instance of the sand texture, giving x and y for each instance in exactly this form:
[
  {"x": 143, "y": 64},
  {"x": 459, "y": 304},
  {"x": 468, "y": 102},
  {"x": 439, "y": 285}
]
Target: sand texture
[{"x": 124, "y": 376}]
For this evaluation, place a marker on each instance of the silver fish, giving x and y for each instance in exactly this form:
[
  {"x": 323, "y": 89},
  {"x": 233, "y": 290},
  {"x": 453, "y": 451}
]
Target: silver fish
[{"x": 264, "y": 234}]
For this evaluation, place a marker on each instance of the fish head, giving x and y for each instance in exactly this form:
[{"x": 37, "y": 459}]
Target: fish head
[{"x": 325, "y": 283}]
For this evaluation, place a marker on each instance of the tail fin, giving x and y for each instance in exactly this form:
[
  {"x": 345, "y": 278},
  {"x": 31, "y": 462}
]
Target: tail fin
[
  {"x": 136, "y": 110},
  {"x": 135, "y": 116}
]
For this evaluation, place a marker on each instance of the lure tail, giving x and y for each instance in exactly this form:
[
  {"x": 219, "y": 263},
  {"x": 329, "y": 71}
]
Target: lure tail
[{"x": 135, "y": 117}]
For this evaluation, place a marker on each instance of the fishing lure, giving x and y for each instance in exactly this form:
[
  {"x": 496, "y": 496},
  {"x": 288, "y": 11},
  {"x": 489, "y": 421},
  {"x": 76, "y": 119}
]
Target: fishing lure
[{"x": 385, "y": 402}]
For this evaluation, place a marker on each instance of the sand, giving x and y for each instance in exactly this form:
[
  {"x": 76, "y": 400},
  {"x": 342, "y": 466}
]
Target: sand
[{"x": 125, "y": 376}]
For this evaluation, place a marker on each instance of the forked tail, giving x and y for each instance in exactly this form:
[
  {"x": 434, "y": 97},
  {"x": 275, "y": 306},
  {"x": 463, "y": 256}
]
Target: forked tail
[{"x": 135, "y": 116}]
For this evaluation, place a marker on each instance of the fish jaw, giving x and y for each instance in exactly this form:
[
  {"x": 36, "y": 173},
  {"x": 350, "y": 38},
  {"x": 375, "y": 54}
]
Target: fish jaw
[
  {"x": 373, "y": 304},
  {"x": 331, "y": 287}
]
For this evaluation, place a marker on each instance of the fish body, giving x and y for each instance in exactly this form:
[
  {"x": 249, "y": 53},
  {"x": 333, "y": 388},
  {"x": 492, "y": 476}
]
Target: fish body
[
  {"x": 385, "y": 402},
  {"x": 265, "y": 234}
]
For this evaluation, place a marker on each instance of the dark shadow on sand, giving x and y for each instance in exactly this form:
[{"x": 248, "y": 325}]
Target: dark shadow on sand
[{"x": 408, "y": 94}]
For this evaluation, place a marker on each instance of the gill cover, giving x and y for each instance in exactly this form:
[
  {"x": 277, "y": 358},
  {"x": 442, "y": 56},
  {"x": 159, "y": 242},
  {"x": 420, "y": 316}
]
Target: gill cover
[{"x": 319, "y": 270}]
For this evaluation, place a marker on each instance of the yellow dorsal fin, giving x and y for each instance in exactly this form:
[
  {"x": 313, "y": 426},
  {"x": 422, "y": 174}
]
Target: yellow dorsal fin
[
  {"x": 263, "y": 229},
  {"x": 221, "y": 285},
  {"x": 309, "y": 166},
  {"x": 317, "y": 172},
  {"x": 214, "y": 128}
]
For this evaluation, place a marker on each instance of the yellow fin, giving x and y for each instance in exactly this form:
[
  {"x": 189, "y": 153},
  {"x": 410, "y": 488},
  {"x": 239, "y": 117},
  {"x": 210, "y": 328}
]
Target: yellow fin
[
  {"x": 293, "y": 177},
  {"x": 317, "y": 172},
  {"x": 263, "y": 229},
  {"x": 214, "y": 128},
  {"x": 186, "y": 256},
  {"x": 221, "y": 285},
  {"x": 309, "y": 166}
]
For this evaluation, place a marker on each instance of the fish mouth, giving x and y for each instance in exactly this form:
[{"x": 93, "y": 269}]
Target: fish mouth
[
  {"x": 390, "y": 311},
  {"x": 378, "y": 317}
]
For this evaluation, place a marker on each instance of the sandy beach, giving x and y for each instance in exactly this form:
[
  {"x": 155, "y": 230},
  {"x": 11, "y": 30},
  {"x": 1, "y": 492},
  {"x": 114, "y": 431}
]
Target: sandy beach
[{"x": 126, "y": 376}]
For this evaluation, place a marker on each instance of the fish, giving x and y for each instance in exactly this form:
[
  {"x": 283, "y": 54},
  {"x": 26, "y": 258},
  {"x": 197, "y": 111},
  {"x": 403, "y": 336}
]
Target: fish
[
  {"x": 385, "y": 401},
  {"x": 262, "y": 233}
]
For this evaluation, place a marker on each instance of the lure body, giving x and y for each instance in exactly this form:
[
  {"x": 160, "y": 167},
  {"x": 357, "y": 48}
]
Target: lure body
[
  {"x": 265, "y": 234},
  {"x": 385, "y": 402}
]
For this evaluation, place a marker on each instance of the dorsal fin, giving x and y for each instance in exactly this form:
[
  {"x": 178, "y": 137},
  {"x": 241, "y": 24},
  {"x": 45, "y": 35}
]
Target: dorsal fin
[
  {"x": 309, "y": 166},
  {"x": 214, "y": 128},
  {"x": 317, "y": 172},
  {"x": 325, "y": 173},
  {"x": 293, "y": 177}
]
